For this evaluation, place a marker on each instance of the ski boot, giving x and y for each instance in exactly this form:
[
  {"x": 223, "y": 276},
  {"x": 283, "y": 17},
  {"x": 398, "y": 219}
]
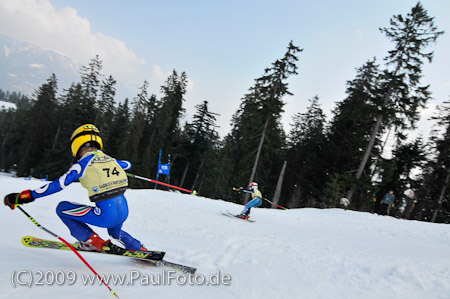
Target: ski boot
[
  {"x": 93, "y": 243},
  {"x": 243, "y": 216}
]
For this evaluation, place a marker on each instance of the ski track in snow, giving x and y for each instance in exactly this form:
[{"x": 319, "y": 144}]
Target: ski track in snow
[{"x": 300, "y": 253}]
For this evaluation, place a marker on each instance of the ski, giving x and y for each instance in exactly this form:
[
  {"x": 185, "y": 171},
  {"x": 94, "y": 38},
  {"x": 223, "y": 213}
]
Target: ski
[
  {"x": 166, "y": 264},
  {"x": 229, "y": 214},
  {"x": 137, "y": 254},
  {"x": 153, "y": 257}
]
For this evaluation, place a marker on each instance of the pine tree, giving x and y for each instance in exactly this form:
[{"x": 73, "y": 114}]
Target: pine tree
[
  {"x": 305, "y": 169},
  {"x": 433, "y": 196},
  {"x": 155, "y": 125},
  {"x": 90, "y": 80},
  {"x": 71, "y": 112},
  {"x": 402, "y": 94},
  {"x": 39, "y": 129},
  {"x": 8, "y": 127},
  {"x": 201, "y": 137},
  {"x": 118, "y": 144},
  {"x": 166, "y": 125},
  {"x": 172, "y": 103},
  {"x": 257, "y": 139},
  {"x": 349, "y": 132},
  {"x": 7, "y": 121},
  {"x": 13, "y": 125},
  {"x": 141, "y": 131},
  {"x": 106, "y": 108}
]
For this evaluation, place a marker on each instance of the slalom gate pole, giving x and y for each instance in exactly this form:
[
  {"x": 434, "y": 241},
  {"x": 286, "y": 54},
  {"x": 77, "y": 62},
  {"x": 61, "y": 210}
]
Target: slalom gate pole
[
  {"x": 157, "y": 182},
  {"x": 113, "y": 293},
  {"x": 237, "y": 189}
]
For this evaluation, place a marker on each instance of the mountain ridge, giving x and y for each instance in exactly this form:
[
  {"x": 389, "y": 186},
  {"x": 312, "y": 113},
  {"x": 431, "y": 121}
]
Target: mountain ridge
[{"x": 26, "y": 66}]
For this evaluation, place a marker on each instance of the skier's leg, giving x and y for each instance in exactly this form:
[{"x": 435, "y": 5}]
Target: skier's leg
[
  {"x": 116, "y": 231},
  {"x": 124, "y": 238},
  {"x": 73, "y": 215},
  {"x": 108, "y": 213},
  {"x": 256, "y": 202}
]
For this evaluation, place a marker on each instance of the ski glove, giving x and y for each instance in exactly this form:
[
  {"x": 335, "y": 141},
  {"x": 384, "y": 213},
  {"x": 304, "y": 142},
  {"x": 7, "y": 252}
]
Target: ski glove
[{"x": 13, "y": 199}]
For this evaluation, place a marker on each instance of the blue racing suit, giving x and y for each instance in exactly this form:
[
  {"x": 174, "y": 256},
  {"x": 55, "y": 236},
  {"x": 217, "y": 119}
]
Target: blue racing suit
[
  {"x": 255, "y": 202},
  {"x": 106, "y": 181}
]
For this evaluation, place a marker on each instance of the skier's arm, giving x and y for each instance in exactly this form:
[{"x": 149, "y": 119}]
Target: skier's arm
[
  {"x": 27, "y": 196},
  {"x": 240, "y": 189},
  {"x": 69, "y": 177},
  {"x": 73, "y": 174}
]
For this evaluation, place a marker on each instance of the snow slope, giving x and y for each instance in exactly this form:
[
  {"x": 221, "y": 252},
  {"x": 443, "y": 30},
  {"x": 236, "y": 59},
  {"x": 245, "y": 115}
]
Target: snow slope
[
  {"x": 7, "y": 105},
  {"x": 302, "y": 253}
]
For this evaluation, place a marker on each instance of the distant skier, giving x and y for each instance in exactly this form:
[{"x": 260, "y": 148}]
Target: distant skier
[
  {"x": 345, "y": 202},
  {"x": 106, "y": 181},
  {"x": 410, "y": 202},
  {"x": 387, "y": 202},
  {"x": 255, "y": 202}
]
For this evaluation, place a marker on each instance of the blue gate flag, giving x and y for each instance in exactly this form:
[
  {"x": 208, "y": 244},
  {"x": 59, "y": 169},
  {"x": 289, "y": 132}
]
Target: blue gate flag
[{"x": 164, "y": 169}]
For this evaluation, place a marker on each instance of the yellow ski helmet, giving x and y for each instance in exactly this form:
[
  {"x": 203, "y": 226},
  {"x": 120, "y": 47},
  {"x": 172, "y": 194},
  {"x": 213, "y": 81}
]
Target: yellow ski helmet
[{"x": 84, "y": 134}]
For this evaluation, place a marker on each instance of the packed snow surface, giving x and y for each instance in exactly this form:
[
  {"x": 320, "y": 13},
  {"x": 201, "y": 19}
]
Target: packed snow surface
[
  {"x": 7, "y": 105},
  {"x": 298, "y": 253}
]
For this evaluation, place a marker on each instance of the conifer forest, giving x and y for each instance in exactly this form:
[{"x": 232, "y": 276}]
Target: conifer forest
[{"x": 317, "y": 163}]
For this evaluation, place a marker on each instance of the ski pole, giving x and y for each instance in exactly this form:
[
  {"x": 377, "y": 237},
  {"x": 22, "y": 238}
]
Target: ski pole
[
  {"x": 113, "y": 293},
  {"x": 275, "y": 204},
  {"x": 158, "y": 182},
  {"x": 237, "y": 189}
]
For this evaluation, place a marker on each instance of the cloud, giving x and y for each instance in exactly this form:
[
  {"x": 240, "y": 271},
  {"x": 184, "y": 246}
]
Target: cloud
[
  {"x": 36, "y": 66},
  {"x": 157, "y": 72},
  {"x": 65, "y": 31}
]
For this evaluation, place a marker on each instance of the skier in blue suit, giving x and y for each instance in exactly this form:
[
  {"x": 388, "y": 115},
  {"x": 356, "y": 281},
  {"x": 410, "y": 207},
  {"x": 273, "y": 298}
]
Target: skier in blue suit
[
  {"x": 106, "y": 181},
  {"x": 255, "y": 202}
]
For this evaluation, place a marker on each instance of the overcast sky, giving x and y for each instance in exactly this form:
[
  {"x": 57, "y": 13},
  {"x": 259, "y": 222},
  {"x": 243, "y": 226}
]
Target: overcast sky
[{"x": 223, "y": 46}]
